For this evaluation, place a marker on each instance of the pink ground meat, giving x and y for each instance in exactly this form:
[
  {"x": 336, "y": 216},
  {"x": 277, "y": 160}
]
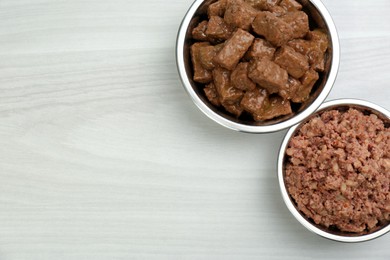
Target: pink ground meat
[{"x": 338, "y": 171}]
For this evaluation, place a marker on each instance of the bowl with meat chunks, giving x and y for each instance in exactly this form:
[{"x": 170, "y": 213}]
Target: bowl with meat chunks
[
  {"x": 257, "y": 66},
  {"x": 334, "y": 171}
]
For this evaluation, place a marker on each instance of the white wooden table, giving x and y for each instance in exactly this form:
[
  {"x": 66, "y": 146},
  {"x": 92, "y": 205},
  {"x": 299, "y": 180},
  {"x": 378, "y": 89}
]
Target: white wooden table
[{"x": 104, "y": 156}]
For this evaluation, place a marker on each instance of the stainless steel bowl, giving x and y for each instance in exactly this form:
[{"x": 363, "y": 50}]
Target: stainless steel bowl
[
  {"x": 342, "y": 105},
  {"x": 317, "y": 12}
]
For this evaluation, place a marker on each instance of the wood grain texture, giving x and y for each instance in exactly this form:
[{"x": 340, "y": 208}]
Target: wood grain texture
[{"x": 104, "y": 156}]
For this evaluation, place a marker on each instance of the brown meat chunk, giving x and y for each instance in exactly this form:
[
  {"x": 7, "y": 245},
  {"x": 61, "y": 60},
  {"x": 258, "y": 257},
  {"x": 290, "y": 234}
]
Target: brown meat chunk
[
  {"x": 273, "y": 28},
  {"x": 254, "y": 101},
  {"x": 218, "y": 29},
  {"x": 268, "y": 75},
  {"x": 217, "y": 9},
  {"x": 319, "y": 38},
  {"x": 199, "y": 32},
  {"x": 234, "y": 49},
  {"x": 234, "y": 108},
  {"x": 295, "y": 63},
  {"x": 207, "y": 55},
  {"x": 290, "y": 89},
  {"x": 302, "y": 46},
  {"x": 299, "y": 21},
  {"x": 260, "y": 49},
  {"x": 278, "y": 10},
  {"x": 319, "y": 65},
  {"x": 263, "y": 5},
  {"x": 226, "y": 92},
  {"x": 291, "y": 5},
  {"x": 239, "y": 14},
  {"x": 212, "y": 94},
  {"x": 311, "y": 50},
  {"x": 277, "y": 107},
  {"x": 310, "y": 78},
  {"x": 308, "y": 81},
  {"x": 239, "y": 77},
  {"x": 201, "y": 75}
]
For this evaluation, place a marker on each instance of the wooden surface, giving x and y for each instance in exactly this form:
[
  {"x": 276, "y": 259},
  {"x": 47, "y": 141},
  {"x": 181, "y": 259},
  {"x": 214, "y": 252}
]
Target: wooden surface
[{"x": 104, "y": 156}]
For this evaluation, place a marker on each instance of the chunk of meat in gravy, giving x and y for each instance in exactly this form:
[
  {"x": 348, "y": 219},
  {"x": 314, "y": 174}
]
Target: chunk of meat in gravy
[
  {"x": 308, "y": 81},
  {"x": 212, "y": 94},
  {"x": 260, "y": 49},
  {"x": 201, "y": 75},
  {"x": 263, "y": 5},
  {"x": 302, "y": 46},
  {"x": 278, "y": 10},
  {"x": 295, "y": 63},
  {"x": 239, "y": 14},
  {"x": 227, "y": 93},
  {"x": 290, "y": 89},
  {"x": 268, "y": 75},
  {"x": 240, "y": 79},
  {"x": 291, "y": 5},
  {"x": 255, "y": 101},
  {"x": 277, "y": 107},
  {"x": 299, "y": 21},
  {"x": 319, "y": 38},
  {"x": 199, "y": 32},
  {"x": 311, "y": 50},
  {"x": 217, "y": 9},
  {"x": 234, "y": 109},
  {"x": 273, "y": 28},
  {"x": 218, "y": 29},
  {"x": 207, "y": 55},
  {"x": 234, "y": 49},
  {"x": 319, "y": 58}
]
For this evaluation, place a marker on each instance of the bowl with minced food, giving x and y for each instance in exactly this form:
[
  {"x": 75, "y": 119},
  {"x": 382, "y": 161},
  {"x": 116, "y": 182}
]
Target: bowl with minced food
[{"x": 334, "y": 171}]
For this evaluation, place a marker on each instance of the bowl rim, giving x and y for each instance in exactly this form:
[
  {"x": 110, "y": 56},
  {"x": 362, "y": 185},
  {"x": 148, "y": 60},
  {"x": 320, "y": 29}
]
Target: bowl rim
[
  {"x": 335, "y": 63},
  {"x": 294, "y": 211}
]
